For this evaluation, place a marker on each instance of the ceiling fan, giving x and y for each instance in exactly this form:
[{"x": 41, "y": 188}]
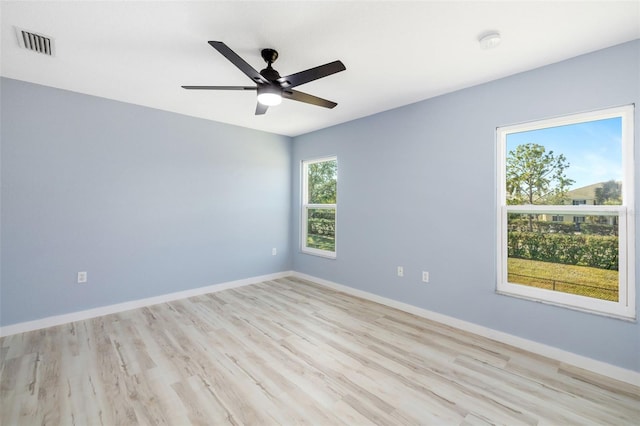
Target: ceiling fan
[{"x": 270, "y": 86}]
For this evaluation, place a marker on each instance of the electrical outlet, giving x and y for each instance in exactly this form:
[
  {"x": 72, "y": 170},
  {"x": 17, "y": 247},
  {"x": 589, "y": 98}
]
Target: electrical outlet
[
  {"x": 425, "y": 277},
  {"x": 400, "y": 271},
  {"x": 82, "y": 277},
  {"x": 274, "y": 251}
]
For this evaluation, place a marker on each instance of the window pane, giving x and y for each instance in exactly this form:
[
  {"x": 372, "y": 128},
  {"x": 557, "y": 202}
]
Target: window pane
[
  {"x": 321, "y": 229},
  {"x": 322, "y": 181},
  {"x": 574, "y": 164},
  {"x": 572, "y": 256}
]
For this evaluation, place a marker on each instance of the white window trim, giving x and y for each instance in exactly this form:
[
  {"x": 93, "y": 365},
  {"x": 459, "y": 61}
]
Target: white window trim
[
  {"x": 305, "y": 206},
  {"x": 625, "y": 307}
]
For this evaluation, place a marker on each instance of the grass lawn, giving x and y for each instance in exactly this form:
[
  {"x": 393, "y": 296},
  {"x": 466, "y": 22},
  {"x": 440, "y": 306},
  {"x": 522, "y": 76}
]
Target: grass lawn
[
  {"x": 321, "y": 242},
  {"x": 565, "y": 278}
]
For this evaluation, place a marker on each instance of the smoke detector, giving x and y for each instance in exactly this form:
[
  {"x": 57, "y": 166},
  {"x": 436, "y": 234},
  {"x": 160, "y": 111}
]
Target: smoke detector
[
  {"x": 489, "y": 40},
  {"x": 35, "y": 42}
]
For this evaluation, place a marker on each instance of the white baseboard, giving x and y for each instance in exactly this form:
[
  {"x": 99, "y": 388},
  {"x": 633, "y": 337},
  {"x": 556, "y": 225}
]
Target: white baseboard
[
  {"x": 134, "y": 304},
  {"x": 580, "y": 361}
]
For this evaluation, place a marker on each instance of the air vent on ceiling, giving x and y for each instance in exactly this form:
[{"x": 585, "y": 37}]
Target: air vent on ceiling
[{"x": 35, "y": 42}]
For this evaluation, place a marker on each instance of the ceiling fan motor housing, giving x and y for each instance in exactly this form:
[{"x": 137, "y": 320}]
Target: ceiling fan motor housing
[{"x": 270, "y": 74}]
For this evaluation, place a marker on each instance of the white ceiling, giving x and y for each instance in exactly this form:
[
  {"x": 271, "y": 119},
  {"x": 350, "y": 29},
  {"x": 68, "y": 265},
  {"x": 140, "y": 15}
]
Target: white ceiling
[{"x": 396, "y": 53}]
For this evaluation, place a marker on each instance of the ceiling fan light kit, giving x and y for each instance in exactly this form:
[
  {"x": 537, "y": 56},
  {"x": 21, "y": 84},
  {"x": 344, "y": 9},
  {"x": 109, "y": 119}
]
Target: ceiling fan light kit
[
  {"x": 271, "y": 88},
  {"x": 269, "y": 95}
]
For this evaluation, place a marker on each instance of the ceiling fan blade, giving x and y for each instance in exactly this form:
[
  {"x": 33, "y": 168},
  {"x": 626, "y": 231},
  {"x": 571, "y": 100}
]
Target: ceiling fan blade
[
  {"x": 311, "y": 74},
  {"x": 238, "y": 62},
  {"x": 261, "y": 109},
  {"x": 295, "y": 95},
  {"x": 220, "y": 87}
]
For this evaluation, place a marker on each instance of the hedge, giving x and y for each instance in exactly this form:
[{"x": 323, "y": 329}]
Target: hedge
[
  {"x": 596, "y": 251},
  {"x": 322, "y": 222},
  {"x": 522, "y": 224},
  {"x": 326, "y": 227},
  {"x": 598, "y": 229}
]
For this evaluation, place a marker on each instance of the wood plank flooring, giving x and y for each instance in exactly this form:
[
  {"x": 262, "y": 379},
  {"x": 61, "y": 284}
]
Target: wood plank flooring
[{"x": 290, "y": 352}]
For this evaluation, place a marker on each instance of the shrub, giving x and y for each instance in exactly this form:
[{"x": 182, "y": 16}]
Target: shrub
[
  {"x": 599, "y": 229},
  {"x": 319, "y": 226},
  {"x": 522, "y": 224},
  {"x": 571, "y": 249}
]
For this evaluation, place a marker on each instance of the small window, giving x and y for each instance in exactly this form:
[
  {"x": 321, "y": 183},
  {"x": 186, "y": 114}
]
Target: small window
[
  {"x": 565, "y": 211},
  {"x": 319, "y": 206}
]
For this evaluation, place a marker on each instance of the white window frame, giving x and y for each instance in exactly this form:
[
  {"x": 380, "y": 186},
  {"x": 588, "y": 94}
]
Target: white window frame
[
  {"x": 306, "y": 206},
  {"x": 625, "y": 307}
]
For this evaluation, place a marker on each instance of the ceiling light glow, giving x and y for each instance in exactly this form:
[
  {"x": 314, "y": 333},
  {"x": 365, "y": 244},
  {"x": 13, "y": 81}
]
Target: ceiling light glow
[
  {"x": 269, "y": 95},
  {"x": 269, "y": 99}
]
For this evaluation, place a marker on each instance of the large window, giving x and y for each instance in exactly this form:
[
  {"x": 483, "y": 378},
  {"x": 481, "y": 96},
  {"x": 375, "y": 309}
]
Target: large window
[
  {"x": 319, "y": 202},
  {"x": 566, "y": 211}
]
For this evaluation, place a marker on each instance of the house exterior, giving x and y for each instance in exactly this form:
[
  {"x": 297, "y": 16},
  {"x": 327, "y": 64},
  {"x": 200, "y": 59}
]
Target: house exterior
[{"x": 585, "y": 195}]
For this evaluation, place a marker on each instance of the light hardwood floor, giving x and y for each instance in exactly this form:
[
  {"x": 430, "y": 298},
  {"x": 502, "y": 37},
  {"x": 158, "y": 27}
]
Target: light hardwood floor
[{"x": 290, "y": 352}]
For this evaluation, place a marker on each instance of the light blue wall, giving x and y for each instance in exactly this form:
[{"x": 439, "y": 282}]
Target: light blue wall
[
  {"x": 150, "y": 202},
  {"x": 147, "y": 202},
  {"x": 417, "y": 186}
]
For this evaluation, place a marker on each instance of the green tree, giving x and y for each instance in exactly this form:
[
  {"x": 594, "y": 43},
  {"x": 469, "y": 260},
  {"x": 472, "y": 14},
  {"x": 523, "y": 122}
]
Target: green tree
[
  {"x": 610, "y": 193},
  {"x": 535, "y": 176},
  {"x": 322, "y": 181}
]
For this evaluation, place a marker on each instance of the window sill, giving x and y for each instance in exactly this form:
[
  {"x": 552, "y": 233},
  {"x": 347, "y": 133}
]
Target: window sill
[
  {"x": 631, "y": 319},
  {"x": 319, "y": 253}
]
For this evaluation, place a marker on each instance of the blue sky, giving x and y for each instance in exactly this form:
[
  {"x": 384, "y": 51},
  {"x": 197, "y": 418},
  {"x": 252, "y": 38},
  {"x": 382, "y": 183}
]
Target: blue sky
[{"x": 593, "y": 149}]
